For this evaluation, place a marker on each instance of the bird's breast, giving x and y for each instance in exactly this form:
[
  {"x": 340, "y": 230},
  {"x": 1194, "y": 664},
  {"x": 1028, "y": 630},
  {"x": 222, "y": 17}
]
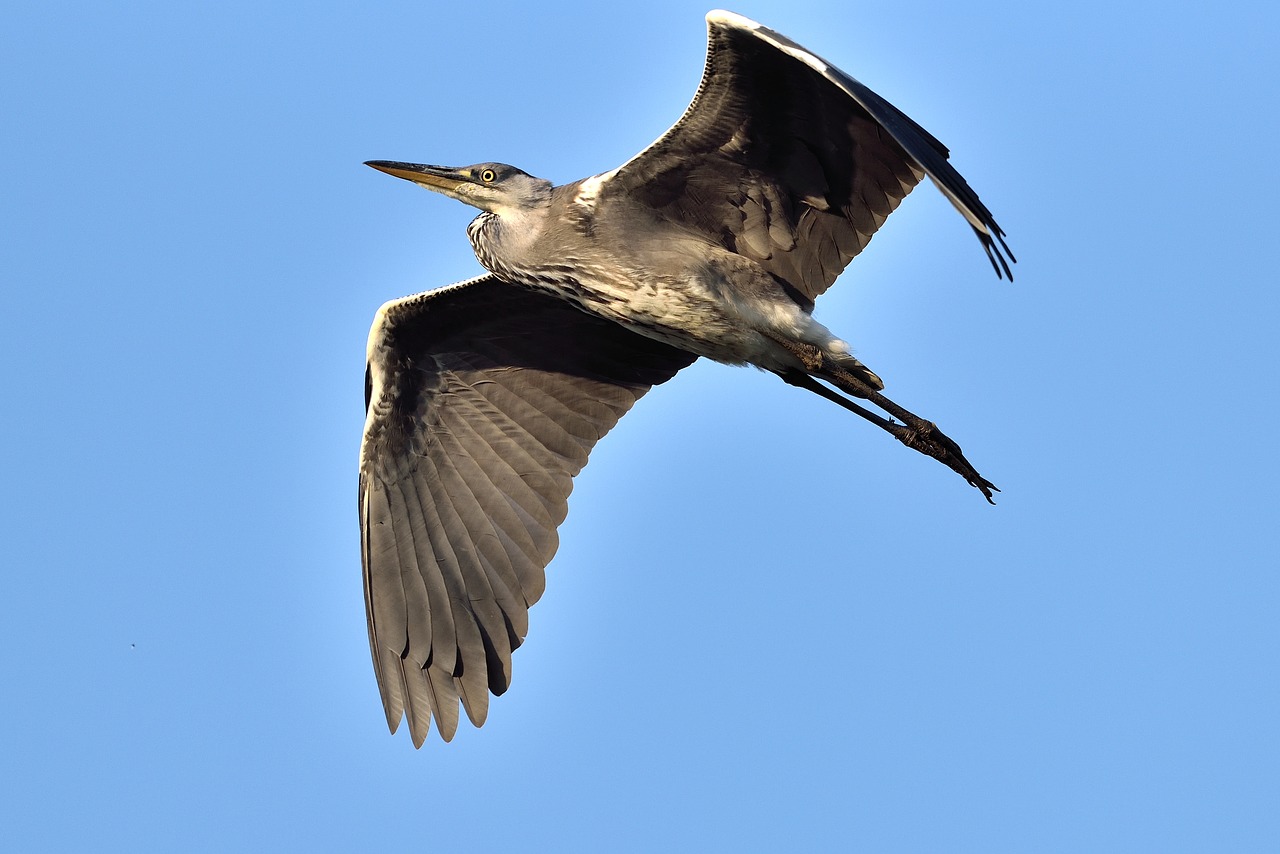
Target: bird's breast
[{"x": 663, "y": 290}]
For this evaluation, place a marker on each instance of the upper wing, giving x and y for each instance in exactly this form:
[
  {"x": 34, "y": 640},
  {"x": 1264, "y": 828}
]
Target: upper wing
[
  {"x": 787, "y": 160},
  {"x": 483, "y": 401}
]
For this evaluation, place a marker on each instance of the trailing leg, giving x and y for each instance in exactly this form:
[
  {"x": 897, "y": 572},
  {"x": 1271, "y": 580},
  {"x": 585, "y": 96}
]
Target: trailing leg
[{"x": 913, "y": 431}]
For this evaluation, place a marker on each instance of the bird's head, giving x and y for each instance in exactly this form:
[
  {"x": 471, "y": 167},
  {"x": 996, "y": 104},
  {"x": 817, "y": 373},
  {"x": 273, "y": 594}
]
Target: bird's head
[{"x": 494, "y": 187}]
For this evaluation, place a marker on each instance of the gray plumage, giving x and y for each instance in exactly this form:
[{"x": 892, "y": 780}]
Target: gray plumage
[{"x": 485, "y": 398}]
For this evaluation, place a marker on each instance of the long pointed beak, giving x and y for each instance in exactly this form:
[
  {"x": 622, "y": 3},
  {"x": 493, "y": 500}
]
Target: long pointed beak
[{"x": 440, "y": 178}]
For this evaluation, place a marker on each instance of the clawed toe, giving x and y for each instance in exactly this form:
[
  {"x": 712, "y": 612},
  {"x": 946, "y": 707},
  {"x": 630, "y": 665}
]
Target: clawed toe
[{"x": 925, "y": 437}]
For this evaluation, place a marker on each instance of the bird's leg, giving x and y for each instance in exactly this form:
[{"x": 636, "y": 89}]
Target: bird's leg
[{"x": 914, "y": 431}]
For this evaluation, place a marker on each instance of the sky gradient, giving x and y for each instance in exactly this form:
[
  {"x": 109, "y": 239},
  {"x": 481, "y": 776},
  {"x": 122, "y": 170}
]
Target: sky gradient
[{"x": 769, "y": 627}]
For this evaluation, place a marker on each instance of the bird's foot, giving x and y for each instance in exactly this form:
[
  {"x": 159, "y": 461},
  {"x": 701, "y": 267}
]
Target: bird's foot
[{"x": 925, "y": 437}]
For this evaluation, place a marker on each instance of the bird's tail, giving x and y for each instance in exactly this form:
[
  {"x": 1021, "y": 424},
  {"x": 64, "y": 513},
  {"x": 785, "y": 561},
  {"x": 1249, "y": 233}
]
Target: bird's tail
[{"x": 858, "y": 370}]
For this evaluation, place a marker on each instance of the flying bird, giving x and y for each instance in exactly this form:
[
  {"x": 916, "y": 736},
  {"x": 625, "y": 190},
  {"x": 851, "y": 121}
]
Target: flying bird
[{"x": 484, "y": 398}]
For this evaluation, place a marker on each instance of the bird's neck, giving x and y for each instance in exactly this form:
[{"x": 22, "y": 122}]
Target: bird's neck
[{"x": 503, "y": 243}]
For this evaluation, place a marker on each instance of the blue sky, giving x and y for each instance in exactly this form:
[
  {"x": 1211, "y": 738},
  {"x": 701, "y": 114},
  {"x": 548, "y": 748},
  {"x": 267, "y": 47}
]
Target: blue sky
[{"x": 769, "y": 627}]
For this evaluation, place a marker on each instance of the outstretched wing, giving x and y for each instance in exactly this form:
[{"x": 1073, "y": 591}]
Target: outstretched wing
[
  {"x": 483, "y": 401},
  {"x": 787, "y": 160}
]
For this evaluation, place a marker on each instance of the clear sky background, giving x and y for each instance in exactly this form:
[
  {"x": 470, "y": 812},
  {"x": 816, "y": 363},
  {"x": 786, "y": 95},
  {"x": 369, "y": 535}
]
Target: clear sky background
[{"x": 769, "y": 626}]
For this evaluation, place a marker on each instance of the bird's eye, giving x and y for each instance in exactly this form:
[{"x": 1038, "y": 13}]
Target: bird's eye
[{"x": 488, "y": 176}]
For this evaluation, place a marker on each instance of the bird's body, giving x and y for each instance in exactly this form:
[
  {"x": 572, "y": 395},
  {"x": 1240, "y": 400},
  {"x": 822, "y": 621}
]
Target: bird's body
[
  {"x": 485, "y": 398},
  {"x": 614, "y": 258}
]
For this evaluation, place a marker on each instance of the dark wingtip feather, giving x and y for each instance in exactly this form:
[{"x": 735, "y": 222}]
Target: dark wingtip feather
[{"x": 996, "y": 254}]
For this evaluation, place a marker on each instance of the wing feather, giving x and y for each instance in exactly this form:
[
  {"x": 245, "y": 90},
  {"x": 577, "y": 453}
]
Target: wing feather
[
  {"x": 456, "y": 648},
  {"x": 773, "y": 121},
  {"x": 483, "y": 402}
]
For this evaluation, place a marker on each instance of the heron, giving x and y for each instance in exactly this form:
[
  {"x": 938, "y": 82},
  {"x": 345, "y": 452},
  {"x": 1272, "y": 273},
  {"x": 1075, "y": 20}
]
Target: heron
[{"x": 484, "y": 398}]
